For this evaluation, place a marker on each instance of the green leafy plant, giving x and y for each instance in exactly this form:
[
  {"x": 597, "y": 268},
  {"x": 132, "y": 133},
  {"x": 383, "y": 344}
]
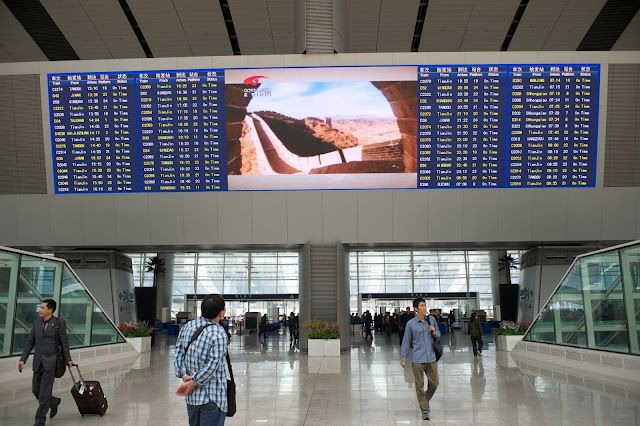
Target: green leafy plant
[
  {"x": 135, "y": 329},
  {"x": 510, "y": 328},
  {"x": 155, "y": 265},
  {"x": 322, "y": 329}
]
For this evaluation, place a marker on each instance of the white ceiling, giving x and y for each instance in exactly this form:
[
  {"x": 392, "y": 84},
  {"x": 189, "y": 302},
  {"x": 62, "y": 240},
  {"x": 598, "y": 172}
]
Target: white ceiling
[
  {"x": 99, "y": 29},
  {"x": 17, "y": 45}
]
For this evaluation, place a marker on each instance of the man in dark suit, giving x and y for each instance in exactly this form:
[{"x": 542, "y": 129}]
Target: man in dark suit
[{"x": 42, "y": 339}]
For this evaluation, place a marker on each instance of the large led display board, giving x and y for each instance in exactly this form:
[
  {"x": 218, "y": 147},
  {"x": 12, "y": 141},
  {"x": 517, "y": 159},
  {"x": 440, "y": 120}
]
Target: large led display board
[{"x": 424, "y": 126}]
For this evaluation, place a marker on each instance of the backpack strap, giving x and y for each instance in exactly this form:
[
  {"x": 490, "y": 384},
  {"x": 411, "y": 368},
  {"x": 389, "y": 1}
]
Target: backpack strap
[{"x": 197, "y": 334}]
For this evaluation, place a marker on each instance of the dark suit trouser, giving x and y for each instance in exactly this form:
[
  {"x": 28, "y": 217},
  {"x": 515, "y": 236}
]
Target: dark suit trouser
[{"x": 42, "y": 387}]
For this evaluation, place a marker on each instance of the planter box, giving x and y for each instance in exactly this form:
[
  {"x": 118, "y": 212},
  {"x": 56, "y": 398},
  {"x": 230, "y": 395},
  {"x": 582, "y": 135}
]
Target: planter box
[
  {"x": 140, "y": 344},
  {"x": 320, "y": 347},
  {"x": 507, "y": 343},
  {"x": 316, "y": 347},
  {"x": 332, "y": 347}
]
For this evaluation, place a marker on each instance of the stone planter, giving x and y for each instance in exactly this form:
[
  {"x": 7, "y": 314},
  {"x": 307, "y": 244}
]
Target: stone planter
[
  {"x": 507, "y": 343},
  {"x": 332, "y": 347},
  {"x": 324, "y": 347},
  {"x": 316, "y": 347},
  {"x": 140, "y": 344}
]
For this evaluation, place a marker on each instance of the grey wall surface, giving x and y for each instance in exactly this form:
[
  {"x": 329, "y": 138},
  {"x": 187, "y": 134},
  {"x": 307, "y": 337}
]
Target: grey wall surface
[
  {"x": 296, "y": 217},
  {"x": 622, "y": 156},
  {"x": 98, "y": 282},
  {"x": 22, "y": 160}
]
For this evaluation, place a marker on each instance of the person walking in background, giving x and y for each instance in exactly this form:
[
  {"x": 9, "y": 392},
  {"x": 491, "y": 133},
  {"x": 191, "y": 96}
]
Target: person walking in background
[
  {"x": 263, "y": 326},
  {"x": 367, "y": 324},
  {"x": 291, "y": 323},
  {"x": 404, "y": 319},
  {"x": 418, "y": 336},
  {"x": 202, "y": 365},
  {"x": 451, "y": 318},
  {"x": 42, "y": 339},
  {"x": 475, "y": 330},
  {"x": 387, "y": 324}
]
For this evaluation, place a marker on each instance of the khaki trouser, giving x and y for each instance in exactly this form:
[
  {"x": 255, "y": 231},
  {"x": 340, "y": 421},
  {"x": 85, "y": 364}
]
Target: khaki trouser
[{"x": 419, "y": 370}]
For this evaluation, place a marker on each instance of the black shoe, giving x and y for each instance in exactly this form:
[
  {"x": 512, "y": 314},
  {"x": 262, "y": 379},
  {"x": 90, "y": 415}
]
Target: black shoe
[{"x": 53, "y": 412}]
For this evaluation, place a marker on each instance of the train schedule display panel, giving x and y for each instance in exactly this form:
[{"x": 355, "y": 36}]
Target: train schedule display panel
[
  {"x": 507, "y": 126},
  {"x": 158, "y": 131},
  {"x": 377, "y": 127}
]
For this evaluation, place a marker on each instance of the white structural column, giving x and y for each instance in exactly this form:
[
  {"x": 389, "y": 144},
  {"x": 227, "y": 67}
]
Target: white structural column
[
  {"x": 495, "y": 275},
  {"x": 324, "y": 288}
]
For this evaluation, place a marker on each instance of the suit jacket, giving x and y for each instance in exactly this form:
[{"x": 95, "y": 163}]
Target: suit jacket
[{"x": 44, "y": 344}]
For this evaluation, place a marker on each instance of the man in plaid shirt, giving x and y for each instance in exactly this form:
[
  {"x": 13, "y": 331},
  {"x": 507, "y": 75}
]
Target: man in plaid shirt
[{"x": 203, "y": 367}]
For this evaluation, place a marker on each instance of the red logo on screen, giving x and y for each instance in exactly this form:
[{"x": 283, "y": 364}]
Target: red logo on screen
[{"x": 254, "y": 80}]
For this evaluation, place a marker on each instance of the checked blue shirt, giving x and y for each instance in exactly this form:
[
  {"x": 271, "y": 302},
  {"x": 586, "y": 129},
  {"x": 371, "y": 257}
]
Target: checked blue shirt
[{"x": 205, "y": 362}]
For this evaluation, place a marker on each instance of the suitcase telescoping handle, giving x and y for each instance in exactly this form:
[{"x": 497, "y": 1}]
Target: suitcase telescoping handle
[{"x": 74, "y": 379}]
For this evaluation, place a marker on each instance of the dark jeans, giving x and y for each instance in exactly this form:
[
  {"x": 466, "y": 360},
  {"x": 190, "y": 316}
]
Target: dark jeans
[
  {"x": 205, "y": 415},
  {"x": 476, "y": 342},
  {"x": 42, "y": 386}
]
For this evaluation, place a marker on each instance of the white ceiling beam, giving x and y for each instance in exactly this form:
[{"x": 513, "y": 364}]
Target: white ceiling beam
[
  {"x": 252, "y": 22},
  {"x": 536, "y": 24},
  {"x": 397, "y": 23},
  {"x": 15, "y": 40},
  {"x": 488, "y": 25},
  {"x": 573, "y": 24},
  {"x": 445, "y": 25},
  {"x": 161, "y": 27}
]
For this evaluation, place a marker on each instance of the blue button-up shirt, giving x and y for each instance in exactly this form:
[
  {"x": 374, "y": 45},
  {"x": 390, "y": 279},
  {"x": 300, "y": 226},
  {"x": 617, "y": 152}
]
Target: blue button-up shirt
[
  {"x": 418, "y": 337},
  {"x": 205, "y": 362}
]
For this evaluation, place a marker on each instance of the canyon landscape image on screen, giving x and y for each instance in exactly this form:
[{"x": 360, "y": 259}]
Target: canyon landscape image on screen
[{"x": 314, "y": 128}]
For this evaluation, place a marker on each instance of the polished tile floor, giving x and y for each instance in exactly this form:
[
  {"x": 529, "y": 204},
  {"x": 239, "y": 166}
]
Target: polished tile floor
[{"x": 279, "y": 385}]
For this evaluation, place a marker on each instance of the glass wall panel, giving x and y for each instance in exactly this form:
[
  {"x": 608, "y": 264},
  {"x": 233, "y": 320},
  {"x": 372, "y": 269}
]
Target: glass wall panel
[
  {"x": 427, "y": 285},
  {"x": 603, "y": 295},
  {"x": 236, "y": 287},
  {"x": 630, "y": 264},
  {"x": 102, "y": 331},
  {"x": 36, "y": 282},
  {"x": 596, "y": 305},
  {"x": 76, "y": 308},
  {"x": 288, "y": 286},
  {"x": 141, "y": 278},
  {"x": 27, "y": 280},
  {"x": 8, "y": 274}
]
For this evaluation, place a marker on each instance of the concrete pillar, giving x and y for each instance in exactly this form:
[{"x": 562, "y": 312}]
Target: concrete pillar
[
  {"x": 164, "y": 284},
  {"x": 343, "y": 296},
  {"x": 324, "y": 289},
  {"x": 494, "y": 266},
  {"x": 304, "y": 293}
]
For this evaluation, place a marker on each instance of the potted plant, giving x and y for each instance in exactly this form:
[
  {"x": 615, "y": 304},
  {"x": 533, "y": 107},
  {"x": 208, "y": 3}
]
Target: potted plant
[
  {"x": 510, "y": 333},
  {"x": 324, "y": 338},
  {"x": 138, "y": 334}
]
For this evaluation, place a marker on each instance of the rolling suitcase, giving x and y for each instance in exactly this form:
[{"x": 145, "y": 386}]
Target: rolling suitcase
[{"x": 88, "y": 395}]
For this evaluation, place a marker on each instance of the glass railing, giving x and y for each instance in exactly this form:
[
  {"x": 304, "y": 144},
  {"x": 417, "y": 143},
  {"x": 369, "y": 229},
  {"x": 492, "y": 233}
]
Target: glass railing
[
  {"x": 596, "y": 305},
  {"x": 26, "y": 279}
]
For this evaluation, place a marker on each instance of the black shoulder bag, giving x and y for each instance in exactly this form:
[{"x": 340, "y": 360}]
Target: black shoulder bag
[
  {"x": 231, "y": 384},
  {"x": 437, "y": 346},
  {"x": 61, "y": 366}
]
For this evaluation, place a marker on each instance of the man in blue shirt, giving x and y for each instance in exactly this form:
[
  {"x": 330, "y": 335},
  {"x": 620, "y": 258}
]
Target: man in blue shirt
[
  {"x": 418, "y": 335},
  {"x": 203, "y": 366}
]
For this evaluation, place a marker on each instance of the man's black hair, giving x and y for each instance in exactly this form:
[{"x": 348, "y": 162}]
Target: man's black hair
[
  {"x": 51, "y": 304},
  {"x": 417, "y": 301},
  {"x": 212, "y": 305}
]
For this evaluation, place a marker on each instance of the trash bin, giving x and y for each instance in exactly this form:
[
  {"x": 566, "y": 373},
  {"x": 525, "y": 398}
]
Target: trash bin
[
  {"x": 172, "y": 329},
  {"x": 443, "y": 328}
]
